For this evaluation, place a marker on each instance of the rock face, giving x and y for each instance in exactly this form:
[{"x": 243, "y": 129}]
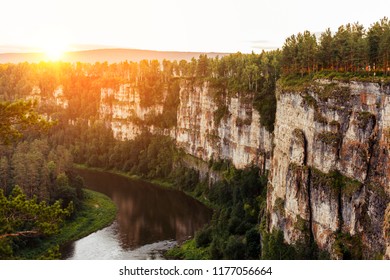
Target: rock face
[
  {"x": 236, "y": 136},
  {"x": 328, "y": 158},
  {"x": 221, "y": 129},
  {"x": 330, "y": 175},
  {"x": 123, "y": 111}
]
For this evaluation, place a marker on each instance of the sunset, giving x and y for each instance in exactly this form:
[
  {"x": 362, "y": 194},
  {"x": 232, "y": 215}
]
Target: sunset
[
  {"x": 174, "y": 25},
  {"x": 192, "y": 139}
]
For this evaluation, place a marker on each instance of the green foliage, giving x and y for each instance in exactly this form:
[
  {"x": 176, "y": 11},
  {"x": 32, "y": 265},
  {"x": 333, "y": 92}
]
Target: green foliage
[
  {"x": 218, "y": 165},
  {"x": 235, "y": 249},
  {"x": 334, "y": 91},
  {"x": 203, "y": 237},
  {"x": 348, "y": 247},
  {"x": 350, "y": 49},
  {"x": 150, "y": 83},
  {"x": 301, "y": 224},
  {"x": 96, "y": 212},
  {"x": 274, "y": 248},
  {"x": 233, "y": 232},
  {"x": 41, "y": 171},
  {"x": 365, "y": 118},
  {"x": 21, "y": 218},
  {"x": 279, "y": 206},
  {"x": 251, "y": 77},
  {"x": 149, "y": 156},
  {"x": 220, "y": 113},
  {"x": 189, "y": 251},
  {"x": 337, "y": 182},
  {"x": 16, "y": 117},
  {"x": 186, "y": 179},
  {"x": 295, "y": 83},
  {"x": 51, "y": 254},
  {"x": 330, "y": 138},
  {"x": 265, "y": 104}
]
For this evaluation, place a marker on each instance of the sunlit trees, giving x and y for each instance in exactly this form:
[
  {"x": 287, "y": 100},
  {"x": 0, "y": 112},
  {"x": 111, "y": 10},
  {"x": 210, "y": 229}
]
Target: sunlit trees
[
  {"x": 150, "y": 83},
  {"x": 384, "y": 45},
  {"x": 379, "y": 44},
  {"x": 290, "y": 55},
  {"x": 326, "y": 50},
  {"x": 5, "y": 174},
  {"x": 202, "y": 69},
  {"x": 307, "y": 51},
  {"x": 15, "y": 117},
  {"x": 350, "y": 49},
  {"x": 29, "y": 210}
]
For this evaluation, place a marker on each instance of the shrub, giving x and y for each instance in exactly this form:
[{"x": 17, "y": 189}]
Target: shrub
[
  {"x": 235, "y": 249},
  {"x": 203, "y": 237}
]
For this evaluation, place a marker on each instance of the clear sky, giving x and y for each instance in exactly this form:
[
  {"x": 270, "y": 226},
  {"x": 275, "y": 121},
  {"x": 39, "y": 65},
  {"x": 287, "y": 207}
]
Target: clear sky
[{"x": 179, "y": 25}]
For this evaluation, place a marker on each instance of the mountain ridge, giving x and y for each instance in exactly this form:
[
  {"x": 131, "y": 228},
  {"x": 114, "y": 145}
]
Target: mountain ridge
[{"x": 110, "y": 55}]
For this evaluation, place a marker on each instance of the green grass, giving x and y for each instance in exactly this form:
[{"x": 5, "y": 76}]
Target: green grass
[
  {"x": 97, "y": 212},
  {"x": 188, "y": 251},
  {"x": 298, "y": 83}
]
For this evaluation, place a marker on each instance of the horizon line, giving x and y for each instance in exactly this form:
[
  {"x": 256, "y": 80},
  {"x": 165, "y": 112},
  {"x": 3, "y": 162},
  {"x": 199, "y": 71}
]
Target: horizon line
[{"x": 118, "y": 48}]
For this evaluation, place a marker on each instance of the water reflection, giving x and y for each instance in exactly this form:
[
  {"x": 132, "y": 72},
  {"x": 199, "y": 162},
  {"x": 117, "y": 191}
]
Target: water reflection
[{"x": 149, "y": 220}]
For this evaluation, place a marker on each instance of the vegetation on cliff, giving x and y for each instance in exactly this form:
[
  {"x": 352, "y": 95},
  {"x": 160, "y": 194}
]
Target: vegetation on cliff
[
  {"x": 238, "y": 201},
  {"x": 39, "y": 193},
  {"x": 350, "y": 49}
]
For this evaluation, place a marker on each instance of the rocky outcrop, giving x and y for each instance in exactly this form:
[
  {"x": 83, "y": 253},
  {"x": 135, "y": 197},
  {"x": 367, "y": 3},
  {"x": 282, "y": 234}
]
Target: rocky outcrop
[
  {"x": 221, "y": 128},
  {"x": 330, "y": 175},
  {"x": 123, "y": 111},
  {"x": 202, "y": 129},
  {"x": 328, "y": 159}
]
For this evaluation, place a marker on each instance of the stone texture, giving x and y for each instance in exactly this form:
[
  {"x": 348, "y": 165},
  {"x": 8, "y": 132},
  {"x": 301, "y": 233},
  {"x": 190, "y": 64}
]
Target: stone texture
[
  {"x": 123, "y": 111},
  {"x": 328, "y": 127},
  {"x": 238, "y": 136}
]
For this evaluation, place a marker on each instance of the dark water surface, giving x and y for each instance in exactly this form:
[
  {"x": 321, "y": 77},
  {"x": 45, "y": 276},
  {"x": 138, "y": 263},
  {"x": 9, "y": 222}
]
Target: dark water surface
[{"x": 150, "y": 220}]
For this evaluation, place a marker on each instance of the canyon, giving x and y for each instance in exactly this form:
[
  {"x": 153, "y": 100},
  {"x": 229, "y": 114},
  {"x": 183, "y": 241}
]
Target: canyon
[{"x": 327, "y": 160}]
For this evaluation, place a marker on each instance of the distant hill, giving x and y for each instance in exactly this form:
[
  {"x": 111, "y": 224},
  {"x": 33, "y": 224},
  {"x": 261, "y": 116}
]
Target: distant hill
[{"x": 102, "y": 55}]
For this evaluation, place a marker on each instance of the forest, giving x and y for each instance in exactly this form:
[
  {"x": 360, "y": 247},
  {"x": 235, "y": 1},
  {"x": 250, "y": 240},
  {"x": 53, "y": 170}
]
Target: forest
[
  {"x": 350, "y": 49},
  {"x": 40, "y": 141}
]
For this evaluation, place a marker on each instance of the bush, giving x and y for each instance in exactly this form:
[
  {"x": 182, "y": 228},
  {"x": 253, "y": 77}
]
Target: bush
[
  {"x": 203, "y": 237},
  {"x": 252, "y": 248},
  {"x": 348, "y": 247},
  {"x": 274, "y": 247},
  {"x": 235, "y": 249}
]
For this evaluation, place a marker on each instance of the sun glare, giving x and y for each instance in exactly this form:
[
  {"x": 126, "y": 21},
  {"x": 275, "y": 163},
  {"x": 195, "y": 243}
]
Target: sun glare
[{"x": 54, "y": 50}]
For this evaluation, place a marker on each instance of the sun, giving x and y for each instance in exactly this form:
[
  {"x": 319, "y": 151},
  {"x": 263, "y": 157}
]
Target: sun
[{"x": 54, "y": 50}]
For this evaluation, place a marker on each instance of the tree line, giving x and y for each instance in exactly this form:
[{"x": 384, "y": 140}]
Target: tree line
[
  {"x": 38, "y": 189},
  {"x": 350, "y": 49}
]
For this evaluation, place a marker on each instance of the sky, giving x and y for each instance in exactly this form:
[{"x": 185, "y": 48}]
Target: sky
[{"x": 173, "y": 25}]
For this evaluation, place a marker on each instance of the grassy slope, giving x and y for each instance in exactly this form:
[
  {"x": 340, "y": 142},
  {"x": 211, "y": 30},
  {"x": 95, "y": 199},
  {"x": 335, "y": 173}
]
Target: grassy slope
[
  {"x": 188, "y": 251},
  {"x": 98, "y": 211}
]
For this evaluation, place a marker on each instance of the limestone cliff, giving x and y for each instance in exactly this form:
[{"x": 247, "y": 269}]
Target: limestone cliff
[
  {"x": 123, "y": 111},
  {"x": 330, "y": 175},
  {"x": 329, "y": 179},
  {"x": 237, "y": 135},
  {"x": 221, "y": 129}
]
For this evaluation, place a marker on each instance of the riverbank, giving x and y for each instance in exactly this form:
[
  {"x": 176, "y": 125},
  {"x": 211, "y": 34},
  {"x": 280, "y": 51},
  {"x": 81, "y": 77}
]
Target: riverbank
[
  {"x": 159, "y": 182},
  {"x": 186, "y": 250},
  {"x": 97, "y": 212}
]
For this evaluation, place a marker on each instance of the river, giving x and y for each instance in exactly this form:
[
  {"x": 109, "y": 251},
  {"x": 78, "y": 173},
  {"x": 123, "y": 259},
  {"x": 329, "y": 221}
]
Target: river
[{"x": 150, "y": 220}]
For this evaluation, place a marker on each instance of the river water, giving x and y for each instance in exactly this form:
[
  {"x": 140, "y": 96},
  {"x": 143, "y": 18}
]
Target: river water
[{"x": 150, "y": 220}]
